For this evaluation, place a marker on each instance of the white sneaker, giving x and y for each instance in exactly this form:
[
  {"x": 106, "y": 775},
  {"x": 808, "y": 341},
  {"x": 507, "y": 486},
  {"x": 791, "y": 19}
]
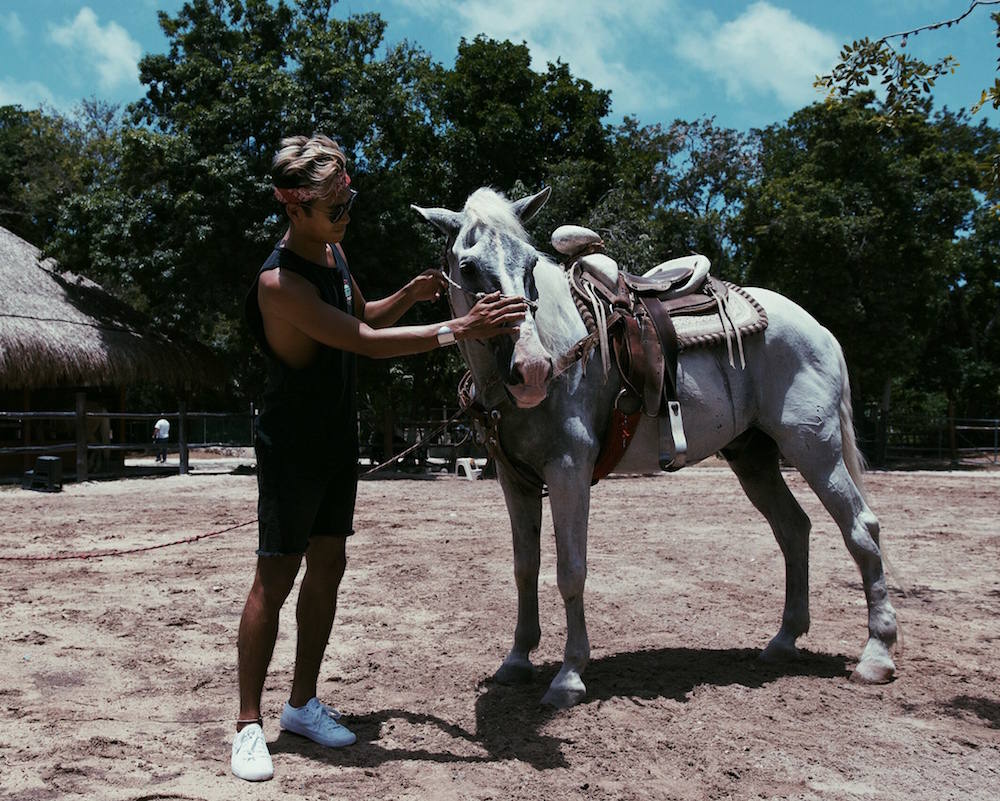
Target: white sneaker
[
  {"x": 251, "y": 759},
  {"x": 317, "y": 722}
]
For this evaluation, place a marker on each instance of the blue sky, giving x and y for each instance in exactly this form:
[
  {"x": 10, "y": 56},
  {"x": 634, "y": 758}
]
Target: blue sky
[{"x": 748, "y": 64}]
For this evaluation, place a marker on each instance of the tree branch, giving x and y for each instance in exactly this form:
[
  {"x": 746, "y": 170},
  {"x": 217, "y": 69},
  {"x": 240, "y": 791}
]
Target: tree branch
[{"x": 947, "y": 23}]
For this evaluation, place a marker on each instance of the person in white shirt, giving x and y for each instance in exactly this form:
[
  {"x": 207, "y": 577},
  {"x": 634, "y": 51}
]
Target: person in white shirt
[{"x": 161, "y": 435}]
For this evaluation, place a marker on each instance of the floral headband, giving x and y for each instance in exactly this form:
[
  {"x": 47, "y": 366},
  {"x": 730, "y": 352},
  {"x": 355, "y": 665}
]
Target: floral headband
[{"x": 303, "y": 194}]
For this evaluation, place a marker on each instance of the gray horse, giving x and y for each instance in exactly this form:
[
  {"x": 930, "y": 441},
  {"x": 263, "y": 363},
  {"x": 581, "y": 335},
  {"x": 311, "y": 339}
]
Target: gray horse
[{"x": 792, "y": 400}]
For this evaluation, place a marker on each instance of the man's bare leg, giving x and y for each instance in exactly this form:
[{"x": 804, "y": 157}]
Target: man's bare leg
[
  {"x": 272, "y": 582},
  {"x": 326, "y": 559}
]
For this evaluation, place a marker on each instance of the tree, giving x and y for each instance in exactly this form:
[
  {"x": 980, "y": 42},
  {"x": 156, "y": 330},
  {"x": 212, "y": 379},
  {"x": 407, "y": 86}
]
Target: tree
[
  {"x": 501, "y": 122},
  {"x": 860, "y": 226},
  {"x": 45, "y": 157},
  {"x": 961, "y": 358}
]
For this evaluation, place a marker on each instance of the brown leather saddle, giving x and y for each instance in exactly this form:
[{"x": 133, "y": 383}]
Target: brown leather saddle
[{"x": 641, "y": 330}]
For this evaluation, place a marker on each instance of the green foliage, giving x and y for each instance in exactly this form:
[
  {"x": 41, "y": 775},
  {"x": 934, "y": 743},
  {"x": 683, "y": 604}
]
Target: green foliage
[
  {"x": 503, "y": 122},
  {"x": 46, "y": 157},
  {"x": 962, "y": 356},
  {"x": 674, "y": 191},
  {"x": 860, "y": 227},
  {"x": 907, "y": 80}
]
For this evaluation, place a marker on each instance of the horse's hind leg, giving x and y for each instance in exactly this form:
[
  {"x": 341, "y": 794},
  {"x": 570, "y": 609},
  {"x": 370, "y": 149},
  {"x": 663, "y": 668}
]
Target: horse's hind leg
[
  {"x": 828, "y": 476},
  {"x": 525, "y": 509},
  {"x": 754, "y": 459}
]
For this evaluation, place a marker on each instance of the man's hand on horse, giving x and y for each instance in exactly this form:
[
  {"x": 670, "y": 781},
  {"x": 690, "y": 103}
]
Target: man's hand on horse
[
  {"x": 493, "y": 315},
  {"x": 428, "y": 285}
]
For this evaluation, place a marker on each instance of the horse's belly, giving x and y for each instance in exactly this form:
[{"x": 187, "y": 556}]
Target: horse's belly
[
  {"x": 643, "y": 454},
  {"x": 714, "y": 411}
]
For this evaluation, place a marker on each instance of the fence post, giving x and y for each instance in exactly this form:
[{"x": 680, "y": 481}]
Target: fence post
[
  {"x": 81, "y": 436},
  {"x": 26, "y": 428},
  {"x": 182, "y": 444},
  {"x": 952, "y": 445}
]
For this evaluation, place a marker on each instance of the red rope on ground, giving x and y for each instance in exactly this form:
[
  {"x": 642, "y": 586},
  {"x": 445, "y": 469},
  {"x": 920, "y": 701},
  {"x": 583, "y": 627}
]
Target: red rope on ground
[{"x": 123, "y": 551}]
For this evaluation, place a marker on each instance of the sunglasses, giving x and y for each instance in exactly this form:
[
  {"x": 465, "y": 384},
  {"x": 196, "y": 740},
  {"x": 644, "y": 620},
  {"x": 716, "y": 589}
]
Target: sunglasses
[{"x": 334, "y": 213}]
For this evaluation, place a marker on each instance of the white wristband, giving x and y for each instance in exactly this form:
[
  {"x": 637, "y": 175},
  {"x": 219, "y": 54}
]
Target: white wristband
[{"x": 445, "y": 336}]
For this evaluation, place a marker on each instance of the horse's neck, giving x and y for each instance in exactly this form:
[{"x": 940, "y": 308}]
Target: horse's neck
[{"x": 557, "y": 319}]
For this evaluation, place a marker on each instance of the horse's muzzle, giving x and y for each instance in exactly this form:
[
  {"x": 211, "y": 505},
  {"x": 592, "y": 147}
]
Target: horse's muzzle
[
  {"x": 526, "y": 397},
  {"x": 531, "y": 370}
]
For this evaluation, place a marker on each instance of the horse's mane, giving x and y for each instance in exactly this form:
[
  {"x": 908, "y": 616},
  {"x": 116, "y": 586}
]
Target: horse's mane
[{"x": 491, "y": 208}]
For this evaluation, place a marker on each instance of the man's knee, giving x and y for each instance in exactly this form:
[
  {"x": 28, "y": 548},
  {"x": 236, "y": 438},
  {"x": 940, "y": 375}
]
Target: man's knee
[
  {"x": 275, "y": 578},
  {"x": 327, "y": 556}
]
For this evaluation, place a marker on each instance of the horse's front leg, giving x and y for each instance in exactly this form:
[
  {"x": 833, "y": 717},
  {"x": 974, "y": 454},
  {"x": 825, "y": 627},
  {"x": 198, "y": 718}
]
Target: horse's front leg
[
  {"x": 569, "y": 496},
  {"x": 525, "y": 508}
]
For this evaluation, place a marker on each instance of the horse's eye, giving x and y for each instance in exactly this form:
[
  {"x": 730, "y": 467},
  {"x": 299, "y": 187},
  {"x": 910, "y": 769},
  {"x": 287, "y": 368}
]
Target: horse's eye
[{"x": 467, "y": 265}]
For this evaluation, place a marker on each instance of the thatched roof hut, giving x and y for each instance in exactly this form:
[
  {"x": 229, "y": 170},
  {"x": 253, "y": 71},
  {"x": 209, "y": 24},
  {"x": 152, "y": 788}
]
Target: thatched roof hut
[{"x": 58, "y": 329}]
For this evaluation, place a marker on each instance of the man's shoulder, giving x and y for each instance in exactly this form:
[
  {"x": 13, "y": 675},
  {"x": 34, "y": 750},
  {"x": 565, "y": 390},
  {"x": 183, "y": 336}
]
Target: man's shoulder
[{"x": 284, "y": 282}]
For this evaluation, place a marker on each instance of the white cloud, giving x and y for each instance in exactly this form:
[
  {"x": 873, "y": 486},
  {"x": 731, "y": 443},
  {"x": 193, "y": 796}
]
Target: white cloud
[
  {"x": 764, "y": 51},
  {"x": 11, "y": 25},
  {"x": 112, "y": 52},
  {"x": 29, "y": 94},
  {"x": 593, "y": 36}
]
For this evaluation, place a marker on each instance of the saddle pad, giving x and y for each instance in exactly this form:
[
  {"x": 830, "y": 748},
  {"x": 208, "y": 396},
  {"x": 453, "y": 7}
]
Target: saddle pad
[{"x": 701, "y": 330}]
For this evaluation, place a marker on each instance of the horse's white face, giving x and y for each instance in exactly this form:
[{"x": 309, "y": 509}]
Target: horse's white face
[{"x": 488, "y": 252}]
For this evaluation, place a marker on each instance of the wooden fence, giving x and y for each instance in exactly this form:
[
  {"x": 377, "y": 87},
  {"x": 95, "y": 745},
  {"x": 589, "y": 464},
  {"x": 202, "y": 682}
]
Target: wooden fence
[{"x": 183, "y": 422}]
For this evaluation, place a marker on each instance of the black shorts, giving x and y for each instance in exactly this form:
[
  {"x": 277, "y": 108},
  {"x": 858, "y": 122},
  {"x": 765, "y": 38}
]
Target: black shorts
[{"x": 296, "y": 502}]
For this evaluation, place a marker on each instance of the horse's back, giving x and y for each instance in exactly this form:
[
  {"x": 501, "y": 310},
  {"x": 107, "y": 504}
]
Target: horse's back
[
  {"x": 791, "y": 326},
  {"x": 792, "y": 373}
]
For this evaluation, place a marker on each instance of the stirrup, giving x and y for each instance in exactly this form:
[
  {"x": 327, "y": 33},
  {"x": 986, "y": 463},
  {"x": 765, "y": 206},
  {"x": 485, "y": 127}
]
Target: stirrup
[{"x": 673, "y": 451}]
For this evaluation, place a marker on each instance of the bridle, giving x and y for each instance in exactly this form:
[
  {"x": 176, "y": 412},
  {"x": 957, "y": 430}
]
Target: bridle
[
  {"x": 490, "y": 418},
  {"x": 577, "y": 352}
]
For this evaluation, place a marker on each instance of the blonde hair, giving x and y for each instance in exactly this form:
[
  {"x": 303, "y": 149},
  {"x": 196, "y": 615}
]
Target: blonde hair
[{"x": 315, "y": 165}]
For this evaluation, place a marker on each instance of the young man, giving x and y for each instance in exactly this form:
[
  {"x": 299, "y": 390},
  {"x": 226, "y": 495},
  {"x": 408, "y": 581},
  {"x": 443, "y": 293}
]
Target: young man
[{"x": 310, "y": 319}]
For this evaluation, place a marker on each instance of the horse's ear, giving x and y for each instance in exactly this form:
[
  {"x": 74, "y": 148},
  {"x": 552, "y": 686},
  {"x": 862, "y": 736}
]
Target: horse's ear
[
  {"x": 448, "y": 222},
  {"x": 527, "y": 207}
]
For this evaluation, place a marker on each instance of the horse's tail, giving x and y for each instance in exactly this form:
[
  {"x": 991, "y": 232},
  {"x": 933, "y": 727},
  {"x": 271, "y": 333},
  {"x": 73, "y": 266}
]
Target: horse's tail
[
  {"x": 855, "y": 462},
  {"x": 853, "y": 457}
]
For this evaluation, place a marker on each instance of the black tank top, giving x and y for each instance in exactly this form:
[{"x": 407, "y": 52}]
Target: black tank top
[{"x": 309, "y": 414}]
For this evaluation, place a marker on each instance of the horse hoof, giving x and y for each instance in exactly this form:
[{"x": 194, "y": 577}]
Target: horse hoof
[
  {"x": 563, "y": 698},
  {"x": 514, "y": 673},
  {"x": 778, "y": 652},
  {"x": 874, "y": 671}
]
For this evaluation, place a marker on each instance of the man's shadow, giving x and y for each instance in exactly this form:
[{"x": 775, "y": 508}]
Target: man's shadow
[{"x": 510, "y": 719}]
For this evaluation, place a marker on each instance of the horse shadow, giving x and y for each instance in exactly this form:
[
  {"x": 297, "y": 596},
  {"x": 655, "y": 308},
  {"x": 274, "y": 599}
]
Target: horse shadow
[
  {"x": 510, "y": 719},
  {"x": 986, "y": 709}
]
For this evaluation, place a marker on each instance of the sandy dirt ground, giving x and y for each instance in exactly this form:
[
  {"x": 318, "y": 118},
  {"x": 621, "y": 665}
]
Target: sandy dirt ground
[{"x": 118, "y": 673}]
